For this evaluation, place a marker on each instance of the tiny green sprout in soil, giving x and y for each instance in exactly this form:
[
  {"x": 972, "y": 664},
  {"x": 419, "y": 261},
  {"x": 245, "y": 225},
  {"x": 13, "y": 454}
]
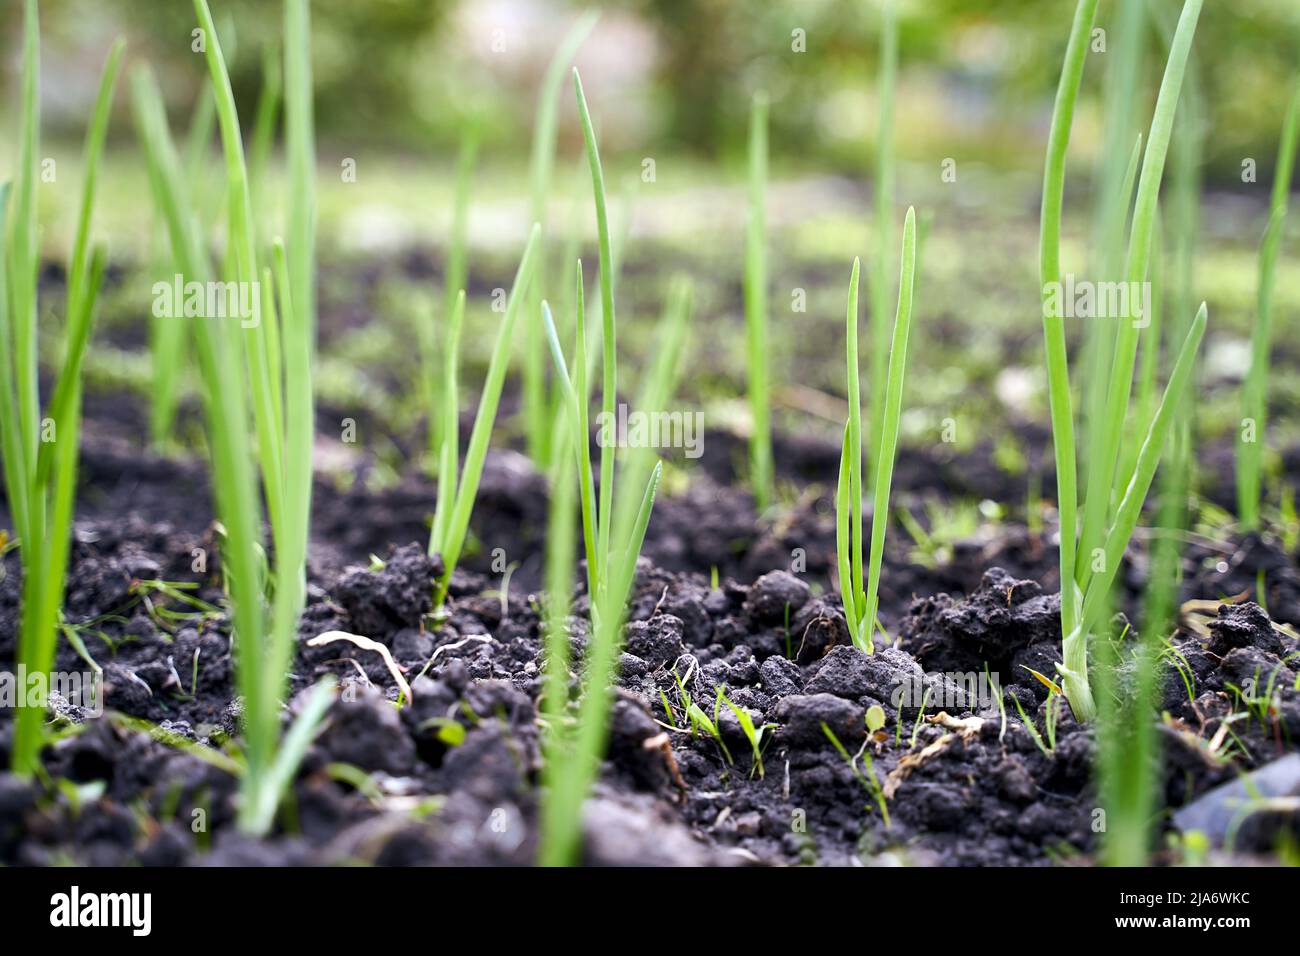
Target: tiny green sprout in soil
[
  {"x": 861, "y": 602},
  {"x": 756, "y": 735},
  {"x": 865, "y": 775}
]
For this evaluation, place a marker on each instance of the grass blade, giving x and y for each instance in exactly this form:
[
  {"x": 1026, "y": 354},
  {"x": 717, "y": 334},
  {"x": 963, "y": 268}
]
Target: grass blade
[
  {"x": 760, "y": 439},
  {"x": 226, "y": 412},
  {"x": 886, "y": 444},
  {"x": 1254, "y": 410},
  {"x": 575, "y": 779},
  {"x": 883, "y": 201},
  {"x": 844, "y": 563},
  {"x": 633, "y": 548},
  {"x": 455, "y": 281},
  {"x": 576, "y": 411},
  {"x": 536, "y": 407},
  {"x": 1103, "y": 464},
  {"x": 855, "y": 489},
  {"x": 299, "y": 250},
  {"x": 280, "y": 774},
  {"x": 1049, "y": 271},
  {"x": 609, "y": 339},
  {"x": 11, "y": 444},
  {"x": 558, "y": 826},
  {"x": 1130, "y": 506},
  {"x": 449, "y": 452},
  {"x": 22, "y": 263},
  {"x": 582, "y": 436},
  {"x": 467, "y": 488},
  {"x": 41, "y": 480},
  {"x": 242, "y": 254}
]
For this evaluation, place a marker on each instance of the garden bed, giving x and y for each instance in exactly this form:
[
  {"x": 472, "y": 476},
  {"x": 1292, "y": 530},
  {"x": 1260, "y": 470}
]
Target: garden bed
[{"x": 453, "y": 778}]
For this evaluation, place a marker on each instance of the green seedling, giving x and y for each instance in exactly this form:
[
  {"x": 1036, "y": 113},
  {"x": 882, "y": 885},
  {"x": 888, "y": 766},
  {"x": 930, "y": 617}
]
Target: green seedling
[
  {"x": 162, "y": 612},
  {"x": 456, "y": 524},
  {"x": 449, "y": 442},
  {"x": 277, "y": 353},
  {"x": 920, "y": 719},
  {"x": 613, "y": 528},
  {"x": 868, "y": 777},
  {"x": 755, "y": 735},
  {"x": 41, "y": 451},
  {"x": 1029, "y": 726},
  {"x": 1085, "y": 591},
  {"x": 560, "y": 555},
  {"x": 875, "y": 718},
  {"x": 862, "y": 603}
]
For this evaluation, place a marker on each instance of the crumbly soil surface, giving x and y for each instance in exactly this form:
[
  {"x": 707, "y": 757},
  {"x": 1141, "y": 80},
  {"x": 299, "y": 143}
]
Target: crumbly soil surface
[{"x": 964, "y": 782}]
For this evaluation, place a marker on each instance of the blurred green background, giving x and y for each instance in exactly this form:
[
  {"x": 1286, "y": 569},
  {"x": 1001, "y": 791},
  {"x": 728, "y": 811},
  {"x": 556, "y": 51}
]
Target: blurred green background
[
  {"x": 671, "y": 80},
  {"x": 675, "y": 76}
]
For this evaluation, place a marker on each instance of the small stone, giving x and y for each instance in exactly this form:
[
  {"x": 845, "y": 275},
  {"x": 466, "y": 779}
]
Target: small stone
[
  {"x": 1014, "y": 781},
  {"x": 411, "y": 644},
  {"x": 381, "y": 603},
  {"x": 1243, "y": 625},
  {"x": 781, "y": 676},
  {"x": 657, "y": 641},
  {"x": 1242, "y": 665},
  {"x": 888, "y": 675},
  {"x": 125, "y": 692},
  {"x": 818, "y": 627},
  {"x": 630, "y": 666},
  {"x": 776, "y": 597},
  {"x": 1228, "y": 805},
  {"x": 367, "y": 732},
  {"x": 802, "y": 716}
]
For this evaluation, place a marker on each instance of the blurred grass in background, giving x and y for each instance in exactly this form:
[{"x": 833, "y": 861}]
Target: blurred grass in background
[
  {"x": 670, "y": 80},
  {"x": 977, "y": 75}
]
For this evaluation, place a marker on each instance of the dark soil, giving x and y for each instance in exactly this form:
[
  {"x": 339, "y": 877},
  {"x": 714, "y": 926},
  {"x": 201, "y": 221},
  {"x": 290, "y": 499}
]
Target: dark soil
[{"x": 965, "y": 783}]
